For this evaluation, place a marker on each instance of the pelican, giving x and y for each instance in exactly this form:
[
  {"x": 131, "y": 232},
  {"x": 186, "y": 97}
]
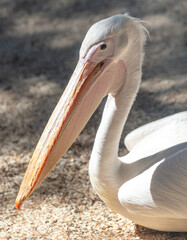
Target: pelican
[{"x": 149, "y": 184}]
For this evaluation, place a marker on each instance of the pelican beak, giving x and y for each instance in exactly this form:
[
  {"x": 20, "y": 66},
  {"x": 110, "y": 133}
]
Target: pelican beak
[{"x": 78, "y": 102}]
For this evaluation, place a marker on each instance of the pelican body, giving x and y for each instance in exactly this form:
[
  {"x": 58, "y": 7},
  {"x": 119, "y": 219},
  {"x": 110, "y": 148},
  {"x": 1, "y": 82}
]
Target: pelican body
[{"x": 149, "y": 184}]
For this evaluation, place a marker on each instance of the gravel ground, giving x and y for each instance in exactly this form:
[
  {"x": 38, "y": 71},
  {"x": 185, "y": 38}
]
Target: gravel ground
[{"x": 39, "y": 43}]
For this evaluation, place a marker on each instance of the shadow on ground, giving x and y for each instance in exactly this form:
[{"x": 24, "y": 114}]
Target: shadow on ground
[{"x": 39, "y": 44}]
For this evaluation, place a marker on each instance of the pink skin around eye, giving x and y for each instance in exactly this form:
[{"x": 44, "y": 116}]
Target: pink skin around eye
[{"x": 94, "y": 49}]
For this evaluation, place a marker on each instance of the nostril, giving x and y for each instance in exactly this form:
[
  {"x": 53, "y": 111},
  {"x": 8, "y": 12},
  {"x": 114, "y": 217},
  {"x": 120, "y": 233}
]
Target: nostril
[{"x": 101, "y": 64}]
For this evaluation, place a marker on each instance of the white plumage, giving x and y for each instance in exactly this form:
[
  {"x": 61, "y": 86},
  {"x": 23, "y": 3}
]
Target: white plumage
[{"x": 149, "y": 184}]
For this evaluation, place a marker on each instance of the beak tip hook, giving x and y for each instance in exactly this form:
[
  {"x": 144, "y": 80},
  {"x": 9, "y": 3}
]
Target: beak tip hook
[{"x": 18, "y": 204}]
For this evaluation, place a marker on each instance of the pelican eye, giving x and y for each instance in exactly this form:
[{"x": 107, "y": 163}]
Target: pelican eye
[{"x": 103, "y": 46}]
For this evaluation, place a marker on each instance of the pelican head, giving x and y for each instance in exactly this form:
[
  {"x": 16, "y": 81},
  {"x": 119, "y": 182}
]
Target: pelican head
[{"x": 101, "y": 70}]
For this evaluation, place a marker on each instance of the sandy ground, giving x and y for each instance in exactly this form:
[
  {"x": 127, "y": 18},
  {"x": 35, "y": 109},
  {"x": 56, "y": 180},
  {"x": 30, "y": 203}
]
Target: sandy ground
[{"x": 39, "y": 42}]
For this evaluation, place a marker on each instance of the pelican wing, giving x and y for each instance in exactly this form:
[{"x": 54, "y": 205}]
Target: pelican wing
[
  {"x": 163, "y": 133},
  {"x": 161, "y": 190}
]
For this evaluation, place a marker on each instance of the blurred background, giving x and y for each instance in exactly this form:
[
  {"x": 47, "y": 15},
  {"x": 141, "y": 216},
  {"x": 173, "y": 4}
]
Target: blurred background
[{"x": 39, "y": 48}]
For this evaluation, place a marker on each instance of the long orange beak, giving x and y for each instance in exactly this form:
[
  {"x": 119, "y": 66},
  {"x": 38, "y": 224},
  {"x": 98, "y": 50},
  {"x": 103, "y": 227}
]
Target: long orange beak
[{"x": 78, "y": 102}]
